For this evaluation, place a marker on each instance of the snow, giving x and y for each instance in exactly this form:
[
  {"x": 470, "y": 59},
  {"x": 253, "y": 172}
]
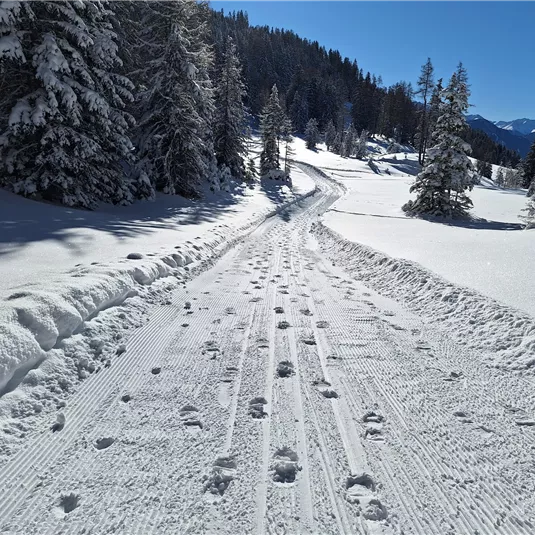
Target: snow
[
  {"x": 358, "y": 416},
  {"x": 493, "y": 256},
  {"x": 39, "y": 242},
  {"x": 61, "y": 268}
]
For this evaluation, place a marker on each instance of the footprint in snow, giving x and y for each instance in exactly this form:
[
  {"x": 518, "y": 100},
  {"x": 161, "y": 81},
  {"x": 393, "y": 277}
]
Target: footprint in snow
[
  {"x": 358, "y": 486},
  {"x": 329, "y": 393},
  {"x": 67, "y": 503},
  {"x": 285, "y": 368},
  {"x": 284, "y": 467},
  {"x": 374, "y": 426},
  {"x": 104, "y": 443},
  {"x": 223, "y": 473},
  {"x": 256, "y": 408},
  {"x": 453, "y": 376},
  {"x": 230, "y": 374},
  {"x": 60, "y": 422},
  {"x": 190, "y": 417}
]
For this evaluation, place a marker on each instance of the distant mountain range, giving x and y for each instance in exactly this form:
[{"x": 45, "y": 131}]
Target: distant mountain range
[
  {"x": 518, "y": 126},
  {"x": 516, "y": 135}
]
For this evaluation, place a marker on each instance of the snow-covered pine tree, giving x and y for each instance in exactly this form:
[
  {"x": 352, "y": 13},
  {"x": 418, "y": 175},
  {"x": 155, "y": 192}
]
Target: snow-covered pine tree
[
  {"x": 250, "y": 172},
  {"x": 361, "y": 148},
  {"x": 528, "y": 171},
  {"x": 299, "y": 112},
  {"x": 512, "y": 179},
  {"x": 347, "y": 148},
  {"x": 447, "y": 174},
  {"x": 330, "y": 135},
  {"x": 425, "y": 88},
  {"x": 337, "y": 143},
  {"x": 176, "y": 109},
  {"x": 230, "y": 116},
  {"x": 272, "y": 122},
  {"x": 312, "y": 134},
  {"x": 66, "y": 135},
  {"x": 529, "y": 217},
  {"x": 500, "y": 178},
  {"x": 484, "y": 169},
  {"x": 288, "y": 155},
  {"x": 434, "y": 109}
]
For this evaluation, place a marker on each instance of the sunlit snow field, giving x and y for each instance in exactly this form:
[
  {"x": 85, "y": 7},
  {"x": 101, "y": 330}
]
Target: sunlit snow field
[{"x": 494, "y": 257}]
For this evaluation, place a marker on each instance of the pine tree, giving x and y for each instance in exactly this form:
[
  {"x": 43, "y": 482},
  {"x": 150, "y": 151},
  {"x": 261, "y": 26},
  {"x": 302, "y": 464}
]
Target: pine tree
[
  {"x": 500, "y": 178},
  {"x": 251, "y": 173},
  {"x": 66, "y": 135},
  {"x": 484, "y": 169},
  {"x": 271, "y": 122},
  {"x": 434, "y": 108},
  {"x": 529, "y": 218},
  {"x": 512, "y": 179},
  {"x": 528, "y": 171},
  {"x": 312, "y": 134},
  {"x": 230, "y": 116},
  {"x": 337, "y": 143},
  {"x": 347, "y": 148},
  {"x": 299, "y": 112},
  {"x": 176, "y": 110},
  {"x": 361, "y": 149},
  {"x": 441, "y": 185},
  {"x": 425, "y": 87},
  {"x": 330, "y": 135}
]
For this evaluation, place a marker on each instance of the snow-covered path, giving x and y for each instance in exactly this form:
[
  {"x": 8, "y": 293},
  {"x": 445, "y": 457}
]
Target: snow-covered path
[{"x": 274, "y": 394}]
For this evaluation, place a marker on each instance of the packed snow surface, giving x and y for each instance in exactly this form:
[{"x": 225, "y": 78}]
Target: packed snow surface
[
  {"x": 52, "y": 285},
  {"x": 269, "y": 375}
]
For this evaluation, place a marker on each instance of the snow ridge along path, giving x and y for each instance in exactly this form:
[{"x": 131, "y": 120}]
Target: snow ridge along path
[
  {"x": 55, "y": 336},
  {"x": 505, "y": 334},
  {"x": 274, "y": 393}
]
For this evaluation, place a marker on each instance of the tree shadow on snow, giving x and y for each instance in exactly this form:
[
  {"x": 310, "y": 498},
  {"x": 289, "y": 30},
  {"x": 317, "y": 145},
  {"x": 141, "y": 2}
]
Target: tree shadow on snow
[
  {"x": 25, "y": 221},
  {"x": 475, "y": 223},
  {"x": 470, "y": 223},
  {"x": 275, "y": 190}
]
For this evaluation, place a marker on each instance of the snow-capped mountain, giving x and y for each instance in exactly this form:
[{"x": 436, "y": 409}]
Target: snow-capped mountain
[
  {"x": 520, "y": 126},
  {"x": 512, "y": 139}
]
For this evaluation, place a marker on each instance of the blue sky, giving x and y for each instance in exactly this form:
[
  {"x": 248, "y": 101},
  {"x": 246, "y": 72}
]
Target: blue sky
[{"x": 494, "y": 40}]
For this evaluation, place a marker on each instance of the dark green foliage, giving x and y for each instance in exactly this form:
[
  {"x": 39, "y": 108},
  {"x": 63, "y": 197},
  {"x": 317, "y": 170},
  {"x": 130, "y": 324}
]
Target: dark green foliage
[
  {"x": 528, "y": 171},
  {"x": 312, "y": 134},
  {"x": 484, "y": 169}
]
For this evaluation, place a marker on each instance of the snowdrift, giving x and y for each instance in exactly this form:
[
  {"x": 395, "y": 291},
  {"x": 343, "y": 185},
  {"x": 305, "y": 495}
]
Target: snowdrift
[{"x": 505, "y": 335}]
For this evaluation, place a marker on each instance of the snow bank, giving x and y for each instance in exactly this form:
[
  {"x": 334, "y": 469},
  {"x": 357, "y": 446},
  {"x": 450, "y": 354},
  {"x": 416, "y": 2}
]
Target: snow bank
[
  {"x": 505, "y": 335},
  {"x": 36, "y": 319},
  {"x": 32, "y": 321}
]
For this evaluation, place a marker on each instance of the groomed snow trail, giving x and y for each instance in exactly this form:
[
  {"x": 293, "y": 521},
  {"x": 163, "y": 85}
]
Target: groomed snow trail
[{"x": 277, "y": 395}]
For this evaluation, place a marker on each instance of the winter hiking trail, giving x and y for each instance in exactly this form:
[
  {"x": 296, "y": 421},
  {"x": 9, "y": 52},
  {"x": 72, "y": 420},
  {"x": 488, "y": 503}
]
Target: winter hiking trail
[{"x": 276, "y": 394}]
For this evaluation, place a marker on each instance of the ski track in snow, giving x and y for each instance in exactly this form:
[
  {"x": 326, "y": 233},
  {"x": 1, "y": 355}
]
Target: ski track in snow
[{"x": 377, "y": 423}]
